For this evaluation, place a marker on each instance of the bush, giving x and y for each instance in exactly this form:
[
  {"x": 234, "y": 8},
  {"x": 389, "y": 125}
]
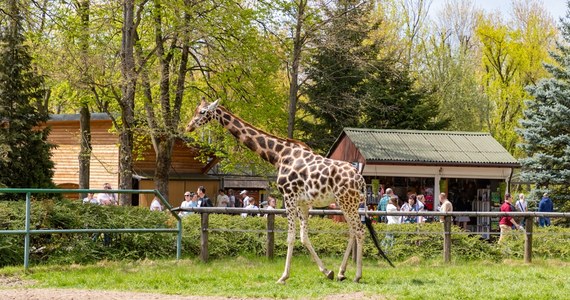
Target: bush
[
  {"x": 82, "y": 248},
  {"x": 232, "y": 236}
]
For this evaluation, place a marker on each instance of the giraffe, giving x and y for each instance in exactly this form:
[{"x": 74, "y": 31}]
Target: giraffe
[{"x": 305, "y": 180}]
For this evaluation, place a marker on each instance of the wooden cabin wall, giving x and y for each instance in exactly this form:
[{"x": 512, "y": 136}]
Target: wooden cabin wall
[{"x": 104, "y": 157}]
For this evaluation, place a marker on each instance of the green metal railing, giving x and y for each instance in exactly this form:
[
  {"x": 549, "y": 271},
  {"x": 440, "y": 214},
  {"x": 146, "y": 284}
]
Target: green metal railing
[{"x": 27, "y": 232}]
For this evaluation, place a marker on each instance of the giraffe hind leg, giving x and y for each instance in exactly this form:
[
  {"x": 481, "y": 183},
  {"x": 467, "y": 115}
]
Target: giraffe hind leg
[
  {"x": 304, "y": 215},
  {"x": 345, "y": 258}
]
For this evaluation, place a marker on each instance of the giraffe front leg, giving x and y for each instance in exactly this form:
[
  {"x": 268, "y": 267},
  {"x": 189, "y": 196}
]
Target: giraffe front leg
[
  {"x": 290, "y": 245},
  {"x": 304, "y": 215}
]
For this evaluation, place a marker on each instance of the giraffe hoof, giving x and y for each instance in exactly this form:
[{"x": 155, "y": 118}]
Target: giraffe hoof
[
  {"x": 341, "y": 278},
  {"x": 356, "y": 280},
  {"x": 330, "y": 275},
  {"x": 281, "y": 281}
]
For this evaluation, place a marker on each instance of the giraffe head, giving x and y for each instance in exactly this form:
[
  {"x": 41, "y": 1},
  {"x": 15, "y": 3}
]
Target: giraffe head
[{"x": 203, "y": 114}]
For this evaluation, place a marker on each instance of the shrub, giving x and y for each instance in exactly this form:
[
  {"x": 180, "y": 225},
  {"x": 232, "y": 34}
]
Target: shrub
[
  {"x": 233, "y": 236},
  {"x": 82, "y": 248}
]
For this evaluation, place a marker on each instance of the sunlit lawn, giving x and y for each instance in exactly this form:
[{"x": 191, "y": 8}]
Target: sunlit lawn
[{"x": 255, "y": 277}]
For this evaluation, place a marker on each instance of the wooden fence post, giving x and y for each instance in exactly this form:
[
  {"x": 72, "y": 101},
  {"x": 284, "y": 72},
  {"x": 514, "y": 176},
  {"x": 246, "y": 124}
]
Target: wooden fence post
[
  {"x": 529, "y": 222},
  {"x": 204, "y": 237},
  {"x": 447, "y": 239},
  {"x": 270, "y": 235}
]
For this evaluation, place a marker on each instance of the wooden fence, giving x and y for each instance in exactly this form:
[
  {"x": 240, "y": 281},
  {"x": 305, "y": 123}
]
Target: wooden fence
[{"x": 447, "y": 222}]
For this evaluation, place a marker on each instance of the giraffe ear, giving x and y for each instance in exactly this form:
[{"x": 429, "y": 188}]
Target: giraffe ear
[
  {"x": 213, "y": 105},
  {"x": 202, "y": 101}
]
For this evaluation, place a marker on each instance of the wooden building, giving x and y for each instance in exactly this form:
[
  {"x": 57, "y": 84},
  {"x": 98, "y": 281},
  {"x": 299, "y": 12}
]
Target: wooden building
[
  {"x": 187, "y": 171},
  {"x": 471, "y": 167}
]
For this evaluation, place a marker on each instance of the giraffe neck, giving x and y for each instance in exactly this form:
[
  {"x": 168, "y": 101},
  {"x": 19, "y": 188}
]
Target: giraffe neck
[{"x": 267, "y": 146}]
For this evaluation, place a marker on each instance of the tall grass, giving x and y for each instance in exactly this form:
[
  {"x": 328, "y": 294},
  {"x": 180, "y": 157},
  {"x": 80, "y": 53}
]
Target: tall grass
[{"x": 254, "y": 277}]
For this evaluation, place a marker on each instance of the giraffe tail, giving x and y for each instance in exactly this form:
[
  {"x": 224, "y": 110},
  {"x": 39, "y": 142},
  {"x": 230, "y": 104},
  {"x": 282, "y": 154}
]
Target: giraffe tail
[{"x": 375, "y": 239}]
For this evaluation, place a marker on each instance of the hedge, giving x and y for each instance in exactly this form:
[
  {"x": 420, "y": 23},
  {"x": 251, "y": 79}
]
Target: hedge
[{"x": 232, "y": 236}]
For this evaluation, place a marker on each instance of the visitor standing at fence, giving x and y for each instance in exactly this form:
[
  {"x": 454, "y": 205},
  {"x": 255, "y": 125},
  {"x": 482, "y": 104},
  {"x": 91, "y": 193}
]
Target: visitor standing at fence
[
  {"x": 545, "y": 205},
  {"x": 222, "y": 200},
  {"x": 232, "y": 198},
  {"x": 506, "y": 223},
  {"x": 107, "y": 198},
  {"x": 245, "y": 198},
  {"x": 446, "y": 206},
  {"x": 383, "y": 203},
  {"x": 251, "y": 205},
  {"x": 421, "y": 207},
  {"x": 521, "y": 206},
  {"x": 155, "y": 204},
  {"x": 388, "y": 241},
  {"x": 271, "y": 203},
  {"x": 410, "y": 206},
  {"x": 90, "y": 199},
  {"x": 187, "y": 203},
  {"x": 203, "y": 200}
]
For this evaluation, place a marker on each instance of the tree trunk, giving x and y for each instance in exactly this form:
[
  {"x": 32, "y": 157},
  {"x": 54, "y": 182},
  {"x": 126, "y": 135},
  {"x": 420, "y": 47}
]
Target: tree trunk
[
  {"x": 85, "y": 151},
  {"x": 294, "y": 72},
  {"x": 84, "y": 114},
  {"x": 163, "y": 161},
  {"x": 127, "y": 102}
]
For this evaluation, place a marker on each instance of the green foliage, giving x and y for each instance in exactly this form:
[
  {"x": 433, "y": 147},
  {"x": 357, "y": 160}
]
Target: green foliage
[
  {"x": 234, "y": 236},
  {"x": 25, "y": 159},
  {"x": 544, "y": 129},
  {"x": 83, "y": 248},
  {"x": 350, "y": 86}
]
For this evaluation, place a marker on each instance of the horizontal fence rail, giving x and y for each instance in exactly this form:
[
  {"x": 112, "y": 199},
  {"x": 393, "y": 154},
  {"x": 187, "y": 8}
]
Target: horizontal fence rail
[
  {"x": 27, "y": 232},
  {"x": 447, "y": 222}
]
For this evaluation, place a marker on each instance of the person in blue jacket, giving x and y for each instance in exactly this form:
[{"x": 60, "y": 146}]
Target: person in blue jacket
[{"x": 545, "y": 205}]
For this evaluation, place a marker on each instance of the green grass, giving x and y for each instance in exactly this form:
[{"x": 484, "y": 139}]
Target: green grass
[{"x": 255, "y": 277}]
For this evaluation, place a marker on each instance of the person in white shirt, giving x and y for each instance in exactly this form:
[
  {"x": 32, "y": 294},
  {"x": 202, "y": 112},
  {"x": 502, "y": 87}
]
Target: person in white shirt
[
  {"x": 155, "y": 205},
  {"x": 90, "y": 199},
  {"x": 271, "y": 203},
  {"x": 251, "y": 205},
  {"x": 388, "y": 241},
  {"x": 222, "y": 200},
  {"x": 245, "y": 198},
  {"x": 521, "y": 205},
  {"x": 107, "y": 198},
  {"x": 188, "y": 197}
]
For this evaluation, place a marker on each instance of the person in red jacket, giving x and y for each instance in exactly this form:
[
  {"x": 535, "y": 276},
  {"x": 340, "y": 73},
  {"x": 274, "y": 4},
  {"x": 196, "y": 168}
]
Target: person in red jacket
[{"x": 506, "y": 223}]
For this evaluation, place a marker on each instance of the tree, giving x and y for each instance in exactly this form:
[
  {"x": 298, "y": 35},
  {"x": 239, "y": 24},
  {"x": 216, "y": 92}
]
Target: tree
[
  {"x": 510, "y": 56},
  {"x": 351, "y": 87},
  {"x": 545, "y": 128},
  {"x": 449, "y": 64},
  {"x": 25, "y": 158}
]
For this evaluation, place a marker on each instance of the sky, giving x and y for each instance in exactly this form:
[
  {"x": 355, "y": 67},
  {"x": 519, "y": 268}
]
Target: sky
[{"x": 557, "y": 8}]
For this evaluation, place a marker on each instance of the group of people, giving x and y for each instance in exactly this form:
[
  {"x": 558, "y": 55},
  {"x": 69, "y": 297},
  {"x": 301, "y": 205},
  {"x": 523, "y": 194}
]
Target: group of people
[
  {"x": 199, "y": 199},
  {"x": 390, "y": 203},
  {"x": 507, "y": 223},
  {"x": 102, "y": 198}
]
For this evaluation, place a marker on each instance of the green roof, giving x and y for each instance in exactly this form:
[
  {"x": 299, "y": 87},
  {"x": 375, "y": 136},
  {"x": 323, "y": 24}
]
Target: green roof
[{"x": 429, "y": 147}]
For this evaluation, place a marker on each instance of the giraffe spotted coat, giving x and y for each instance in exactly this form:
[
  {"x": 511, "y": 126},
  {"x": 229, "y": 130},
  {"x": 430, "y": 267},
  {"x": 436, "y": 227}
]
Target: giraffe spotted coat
[{"x": 305, "y": 180}]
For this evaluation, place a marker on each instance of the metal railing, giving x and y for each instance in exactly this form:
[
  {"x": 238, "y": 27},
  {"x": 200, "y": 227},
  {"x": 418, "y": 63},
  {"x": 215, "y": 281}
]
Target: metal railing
[
  {"x": 447, "y": 222},
  {"x": 27, "y": 231}
]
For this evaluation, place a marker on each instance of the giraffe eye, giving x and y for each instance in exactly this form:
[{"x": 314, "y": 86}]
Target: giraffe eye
[{"x": 203, "y": 111}]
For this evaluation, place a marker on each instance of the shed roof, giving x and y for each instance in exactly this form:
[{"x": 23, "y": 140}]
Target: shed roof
[{"x": 428, "y": 147}]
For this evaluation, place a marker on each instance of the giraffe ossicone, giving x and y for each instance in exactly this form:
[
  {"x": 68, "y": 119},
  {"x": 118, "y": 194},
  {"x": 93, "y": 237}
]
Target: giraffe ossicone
[{"x": 305, "y": 179}]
